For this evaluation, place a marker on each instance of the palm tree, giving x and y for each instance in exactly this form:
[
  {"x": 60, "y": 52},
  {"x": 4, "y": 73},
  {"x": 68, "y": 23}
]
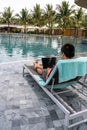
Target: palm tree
[
  {"x": 78, "y": 19},
  {"x": 24, "y": 17},
  {"x": 7, "y": 16},
  {"x": 84, "y": 21},
  {"x": 49, "y": 16},
  {"x": 64, "y": 15},
  {"x": 37, "y": 15}
]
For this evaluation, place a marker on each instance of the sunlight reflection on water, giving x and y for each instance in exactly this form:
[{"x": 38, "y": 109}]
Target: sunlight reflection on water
[{"x": 17, "y": 47}]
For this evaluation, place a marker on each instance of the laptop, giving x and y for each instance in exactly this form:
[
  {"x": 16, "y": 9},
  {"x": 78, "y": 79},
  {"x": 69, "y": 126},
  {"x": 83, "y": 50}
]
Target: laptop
[{"x": 48, "y": 62}]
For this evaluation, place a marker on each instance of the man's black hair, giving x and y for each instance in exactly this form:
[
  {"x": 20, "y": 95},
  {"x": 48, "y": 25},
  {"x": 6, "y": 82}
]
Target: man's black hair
[{"x": 69, "y": 50}]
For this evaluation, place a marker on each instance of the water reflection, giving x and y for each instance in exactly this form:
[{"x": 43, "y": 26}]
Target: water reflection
[{"x": 17, "y": 47}]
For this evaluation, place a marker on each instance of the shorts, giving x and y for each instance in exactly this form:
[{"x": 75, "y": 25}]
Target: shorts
[{"x": 43, "y": 76}]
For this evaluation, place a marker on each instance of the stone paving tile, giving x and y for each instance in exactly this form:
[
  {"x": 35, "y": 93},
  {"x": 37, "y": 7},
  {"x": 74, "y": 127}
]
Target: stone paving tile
[
  {"x": 24, "y": 105},
  {"x": 38, "y": 126}
]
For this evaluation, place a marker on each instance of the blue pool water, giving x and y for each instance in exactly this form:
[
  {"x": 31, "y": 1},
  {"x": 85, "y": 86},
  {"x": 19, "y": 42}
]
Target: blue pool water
[{"x": 19, "y": 47}]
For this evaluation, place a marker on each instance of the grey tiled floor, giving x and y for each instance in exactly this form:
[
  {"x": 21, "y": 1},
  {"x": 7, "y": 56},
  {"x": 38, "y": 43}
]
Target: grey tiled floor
[{"x": 24, "y": 105}]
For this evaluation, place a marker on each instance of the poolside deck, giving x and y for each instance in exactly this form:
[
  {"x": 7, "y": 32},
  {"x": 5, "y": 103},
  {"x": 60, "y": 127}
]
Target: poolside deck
[{"x": 24, "y": 105}]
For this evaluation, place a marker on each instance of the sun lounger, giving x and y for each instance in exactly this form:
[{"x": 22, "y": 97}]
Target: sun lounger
[
  {"x": 64, "y": 74},
  {"x": 65, "y": 71}
]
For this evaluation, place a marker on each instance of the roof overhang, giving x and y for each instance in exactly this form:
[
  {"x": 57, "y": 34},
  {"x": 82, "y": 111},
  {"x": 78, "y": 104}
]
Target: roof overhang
[{"x": 82, "y": 3}]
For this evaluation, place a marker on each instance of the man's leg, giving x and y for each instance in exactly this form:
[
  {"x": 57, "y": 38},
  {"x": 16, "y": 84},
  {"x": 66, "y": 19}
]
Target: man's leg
[
  {"x": 40, "y": 70},
  {"x": 38, "y": 67}
]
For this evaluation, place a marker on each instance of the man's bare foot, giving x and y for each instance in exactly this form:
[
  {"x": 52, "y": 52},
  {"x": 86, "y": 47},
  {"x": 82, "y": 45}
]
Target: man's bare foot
[{"x": 35, "y": 64}]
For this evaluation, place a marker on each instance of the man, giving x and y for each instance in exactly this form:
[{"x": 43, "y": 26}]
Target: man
[{"x": 67, "y": 52}]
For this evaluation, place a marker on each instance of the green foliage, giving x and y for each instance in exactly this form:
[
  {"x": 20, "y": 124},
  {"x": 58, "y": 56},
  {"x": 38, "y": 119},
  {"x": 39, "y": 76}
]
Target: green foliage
[
  {"x": 7, "y": 15},
  {"x": 37, "y": 15},
  {"x": 64, "y": 16},
  {"x": 49, "y": 16},
  {"x": 23, "y": 16}
]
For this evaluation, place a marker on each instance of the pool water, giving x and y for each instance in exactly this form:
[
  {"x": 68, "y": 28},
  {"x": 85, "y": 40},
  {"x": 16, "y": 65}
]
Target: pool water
[{"x": 29, "y": 47}]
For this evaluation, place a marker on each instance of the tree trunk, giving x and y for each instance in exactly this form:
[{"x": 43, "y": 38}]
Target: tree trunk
[{"x": 8, "y": 28}]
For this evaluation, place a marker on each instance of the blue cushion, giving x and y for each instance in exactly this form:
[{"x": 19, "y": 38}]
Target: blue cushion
[
  {"x": 71, "y": 68},
  {"x": 67, "y": 69}
]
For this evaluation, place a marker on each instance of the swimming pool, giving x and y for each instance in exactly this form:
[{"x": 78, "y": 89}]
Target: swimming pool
[{"x": 28, "y": 47}]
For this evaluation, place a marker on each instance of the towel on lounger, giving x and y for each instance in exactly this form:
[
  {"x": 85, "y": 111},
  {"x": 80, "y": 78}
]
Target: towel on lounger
[
  {"x": 67, "y": 70},
  {"x": 71, "y": 68}
]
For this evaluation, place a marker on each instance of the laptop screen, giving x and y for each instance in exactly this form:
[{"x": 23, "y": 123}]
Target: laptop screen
[{"x": 48, "y": 62}]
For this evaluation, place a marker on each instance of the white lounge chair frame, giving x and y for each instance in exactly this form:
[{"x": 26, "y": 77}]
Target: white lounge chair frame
[{"x": 61, "y": 104}]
